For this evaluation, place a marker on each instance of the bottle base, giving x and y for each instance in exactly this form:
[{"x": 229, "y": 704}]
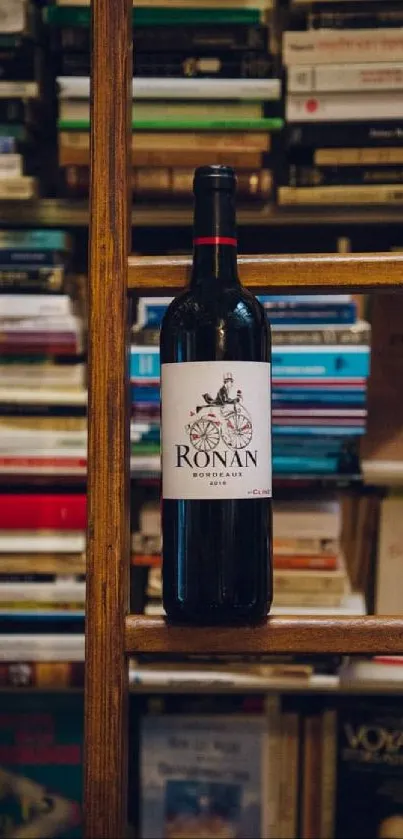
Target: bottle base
[{"x": 189, "y": 616}]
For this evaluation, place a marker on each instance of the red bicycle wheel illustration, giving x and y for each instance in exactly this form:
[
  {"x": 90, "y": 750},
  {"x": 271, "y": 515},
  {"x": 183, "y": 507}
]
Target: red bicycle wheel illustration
[{"x": 204, "y": 435}]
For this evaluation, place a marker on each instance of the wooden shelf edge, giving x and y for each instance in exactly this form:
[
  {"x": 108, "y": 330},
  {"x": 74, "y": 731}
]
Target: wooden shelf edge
[
  {"x": 316, "y": 635},
  {"x": 303, "y": 272}
]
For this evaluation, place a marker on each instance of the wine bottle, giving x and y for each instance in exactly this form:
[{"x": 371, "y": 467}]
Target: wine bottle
[{"x": 216, "y": 429}]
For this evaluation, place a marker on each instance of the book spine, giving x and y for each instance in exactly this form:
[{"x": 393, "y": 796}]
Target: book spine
[
  {"x": 15, "y": 111},
  {"x": 314, "y": 315},
  {"x": 311, "y": 779},
  {"x": 235, "y": 157},
  {"x": 42, "y": 675},
  {"x": 45, "y": 564},
  {"x": 181, "y": 65},
  {"x": 355, "y": 19},
  {"x": 35, "y": 240},
  {"x": 175, "y": 141},
  {"x": 345, "y": 77},
  {"x": 329, "y": 779},
  {"x": 314, "y": 563},
  {"x": 307, "y": 599},
  {"x": 343, "y": 107},
  {"x": 273, "y": 757},
  {"x": 42, "y": 466},
  {"x": 308, "y": 135},
  {"x": 31, "y": 280},
  {"x": 80, "y": 15},
  {"x": 305, "y": 582},
  {"x": 10, "y": 165},
  {"x": 294, "y": 545},
  {"x": 8, "y": 145},
  {"x": 316, "y": 46},
  {"x": 32, "y": 258},
  {"x": 197, "y": 124},
  {"x": 14, "y": 90},
  {"x": 173, "y": 182},
  {"x": 151, "y": 96},
  {"x": 340, "y": 361},
  {"x": 358, "y": 157},
  {"x": 192, "y": 39},
  {"x": 330, "y": 195},
  {"x": 18, "y": 189},
  {"x": 14, "y": 18},
  {"x": 45, "y": 512},
  {"x": 33, "y": 305},
  {"x": 344, "y": 176},
  {"x": 289, "y": 775},
  {"x": 326, "y": 336}
]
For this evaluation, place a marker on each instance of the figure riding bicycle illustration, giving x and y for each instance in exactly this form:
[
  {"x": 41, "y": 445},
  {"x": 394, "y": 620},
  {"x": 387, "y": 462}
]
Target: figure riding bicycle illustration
[{"x": 230, "y": 422}]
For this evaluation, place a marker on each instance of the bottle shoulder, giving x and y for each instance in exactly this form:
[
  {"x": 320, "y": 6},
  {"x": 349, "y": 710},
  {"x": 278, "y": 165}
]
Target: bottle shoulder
[{"x": 197, "y": 307}]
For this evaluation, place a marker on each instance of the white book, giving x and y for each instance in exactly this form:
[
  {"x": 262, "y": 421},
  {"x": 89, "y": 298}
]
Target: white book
[
  {"x": 13, "y": 16},
  {"x": 42, "y": 466},
  {"x": 78, "y": 87},
  {"x": 33, "y": 541},
  {"x": 59, "y": 647},
  {"x": 344, "y": 107},
  {"x": 41, "y": 441},
  {"x": 10, "y": 166},
  {"x": 32, "y": 305},
  {"x": 43, "y": 397},
  {"x": 352, "y": 605},
  {"x": 194, "y": 767},
  {"x": 335, "y": 46},
  {"x": 388, "y": 590},
  {"x": 18, "y": 189},
  {"x": 329, "y": 195},
  {"x": 344, "y": 77},
  {"x": 306, "y": 520},
  {"x": 18, "y": 90},
  {"x": 60, "y": 592},
  {"x": 42, "y": 375},
  {"x": 46, "y": 323}
]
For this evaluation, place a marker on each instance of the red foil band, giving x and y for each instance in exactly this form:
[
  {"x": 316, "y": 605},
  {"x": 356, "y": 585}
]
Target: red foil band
[{"x": 215, "y": 240}]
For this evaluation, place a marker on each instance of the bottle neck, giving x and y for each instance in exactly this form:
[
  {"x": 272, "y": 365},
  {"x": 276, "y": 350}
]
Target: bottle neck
[{"x": 214, "y": 239}]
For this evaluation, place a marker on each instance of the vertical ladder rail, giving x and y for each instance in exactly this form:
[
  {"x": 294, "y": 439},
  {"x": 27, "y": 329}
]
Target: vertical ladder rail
[{"x": 108, "y": 533}]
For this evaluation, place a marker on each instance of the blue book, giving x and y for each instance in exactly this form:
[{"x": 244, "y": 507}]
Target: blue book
[
  {"x": 304, "y": 465},
  {"x": 298, "y": 315},
  {"x": 321, "y": 430},
  {"x": 317, "y": 362},
  {"x": 319, "y": 397},
  {"x": 287, "y": 300},
  {"x": 25, "y": 259},
  {"x": 8, "y": 145},
  {"x": 42, "y": 240},
  {"x": 144, "y": 363},
  {"x": 145, "y": 394},
  {"x": 151, "y": 310}
]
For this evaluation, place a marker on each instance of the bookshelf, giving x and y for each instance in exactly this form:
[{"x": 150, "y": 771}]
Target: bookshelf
[
  {"x": 110, "y": 633},
  {"x": 75, "y": 213}
]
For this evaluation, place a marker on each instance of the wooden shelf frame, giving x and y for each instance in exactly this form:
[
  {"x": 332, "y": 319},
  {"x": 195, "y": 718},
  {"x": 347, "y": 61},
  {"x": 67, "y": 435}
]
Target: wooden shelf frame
[
  {"x": 110, "y": 633},
  {"x": 360, "y": 272}
]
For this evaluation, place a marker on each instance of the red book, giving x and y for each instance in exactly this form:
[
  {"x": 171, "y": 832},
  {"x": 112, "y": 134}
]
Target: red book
[{"x": 43, "y": 511}]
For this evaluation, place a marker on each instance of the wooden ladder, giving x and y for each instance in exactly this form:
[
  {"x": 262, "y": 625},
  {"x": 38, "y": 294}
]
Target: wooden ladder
[{"x": 112, "y": 634}]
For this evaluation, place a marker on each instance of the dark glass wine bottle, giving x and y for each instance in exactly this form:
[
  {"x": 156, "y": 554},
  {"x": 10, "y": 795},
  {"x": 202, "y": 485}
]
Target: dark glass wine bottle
[{"x": 216, "y": 429}]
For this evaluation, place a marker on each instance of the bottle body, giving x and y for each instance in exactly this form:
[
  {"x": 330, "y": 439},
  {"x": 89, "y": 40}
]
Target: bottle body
[{"x": 216, "y": 505}]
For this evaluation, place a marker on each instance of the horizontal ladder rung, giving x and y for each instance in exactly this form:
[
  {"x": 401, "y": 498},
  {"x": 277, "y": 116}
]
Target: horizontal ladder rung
[
  {"x": 316, "y": 635},
  {"x": 302, "y": 272}
]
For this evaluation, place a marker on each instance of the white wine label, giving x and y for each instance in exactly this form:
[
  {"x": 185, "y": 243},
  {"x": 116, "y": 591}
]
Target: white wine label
[{"x": 216, "y": 430}]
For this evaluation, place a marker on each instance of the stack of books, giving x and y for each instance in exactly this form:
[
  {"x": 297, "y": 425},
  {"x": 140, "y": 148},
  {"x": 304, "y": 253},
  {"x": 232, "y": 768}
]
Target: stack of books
[
  {"x": 204, "y": 91},
  {"x": 310, "y": 572},
  {"x": 42, "y": 560},
  {"x": 42, "y": 388},
  {"x": 344, "y": 63},
  {"x": 21, "y": 114},
  {"x": 320, "y": 365}
]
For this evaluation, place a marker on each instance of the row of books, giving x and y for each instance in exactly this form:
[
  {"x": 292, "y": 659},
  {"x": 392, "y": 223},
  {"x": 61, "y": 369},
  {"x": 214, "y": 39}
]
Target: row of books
[
  {"x": 208, "y": 89},
  {"x": 344, "y": 84},
  {"x": 320, "y": 366},
  {"x": 310, "y": 569},
  {"x": 213, "y": 766}
]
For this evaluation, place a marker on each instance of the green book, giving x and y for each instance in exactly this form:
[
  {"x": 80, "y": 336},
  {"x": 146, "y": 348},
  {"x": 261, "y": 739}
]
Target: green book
[
  {"x": 157, "y": 16},
  {"x": 264, "y": 124},
  {"x": 18, "y": 131}
]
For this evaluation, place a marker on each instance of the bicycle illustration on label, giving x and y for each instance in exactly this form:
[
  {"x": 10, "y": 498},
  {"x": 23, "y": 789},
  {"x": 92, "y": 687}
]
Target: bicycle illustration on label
[{"x": 230, "y": 422}]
